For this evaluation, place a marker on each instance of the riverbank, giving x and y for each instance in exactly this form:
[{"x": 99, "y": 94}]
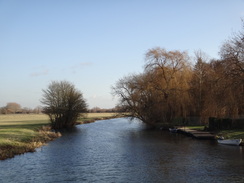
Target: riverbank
[
  {"x": 202, "y": 132},
  {"x": 198, "y": 134},
  {"x": 20, "y": 133},
  {"x": 92, "y": 117},
  {"x": 227, "y": 134}
]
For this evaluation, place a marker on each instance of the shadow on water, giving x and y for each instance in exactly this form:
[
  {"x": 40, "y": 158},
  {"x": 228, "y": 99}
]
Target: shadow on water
[
  {"x": 72, "y": 130},
  {"x": 119, "y": 150}
]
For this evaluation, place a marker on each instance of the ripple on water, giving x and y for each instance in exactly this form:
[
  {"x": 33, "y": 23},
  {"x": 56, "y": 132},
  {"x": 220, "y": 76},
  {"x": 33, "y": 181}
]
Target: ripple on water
[{"x": 122, "y": 151}]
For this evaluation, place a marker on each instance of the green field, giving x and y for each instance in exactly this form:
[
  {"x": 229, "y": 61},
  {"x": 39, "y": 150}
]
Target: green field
[
  {"x": 19, "y": 127},
  {"x": 232, "y": 134},
  {"x": 21, "y": 133}
]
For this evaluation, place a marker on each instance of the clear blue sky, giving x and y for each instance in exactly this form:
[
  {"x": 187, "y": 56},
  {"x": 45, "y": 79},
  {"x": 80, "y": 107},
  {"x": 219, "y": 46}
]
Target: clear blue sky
[{"x": 93, "y": 43}]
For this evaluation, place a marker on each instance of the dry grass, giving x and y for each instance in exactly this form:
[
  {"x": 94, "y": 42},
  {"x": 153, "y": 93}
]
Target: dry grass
[
  {"x": 91, "y": 117},
  {"x": 22, "y": 133},
  {"x": 100, "y": 115},
  {"x": 22, "y": 117},
  {"x": 37, "y": 117}
]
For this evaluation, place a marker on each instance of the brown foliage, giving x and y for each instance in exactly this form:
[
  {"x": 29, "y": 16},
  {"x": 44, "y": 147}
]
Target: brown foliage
[
  {"x": 169, "y": 88},
  {"x": 161, "y": 92}
]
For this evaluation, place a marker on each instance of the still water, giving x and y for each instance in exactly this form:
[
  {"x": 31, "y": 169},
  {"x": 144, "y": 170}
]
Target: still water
[{"x": 120, "y": 150}]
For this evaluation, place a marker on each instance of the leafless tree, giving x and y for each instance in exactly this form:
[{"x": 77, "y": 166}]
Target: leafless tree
[
  {"x": 170, "y": 88},
  {"x": 13, "y": 107},
  {"x": 232, "y": 56},
  {"x": 160, "y": 93},
  {"x": 63, "y": 103},
  {"x": 232, "y": 52},
  {"x": 171, "y": 77}
]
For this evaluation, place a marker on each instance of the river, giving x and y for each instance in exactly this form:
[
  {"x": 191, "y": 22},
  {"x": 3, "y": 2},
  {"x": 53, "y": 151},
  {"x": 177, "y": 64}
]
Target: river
[{"x": 119, "y": 150}]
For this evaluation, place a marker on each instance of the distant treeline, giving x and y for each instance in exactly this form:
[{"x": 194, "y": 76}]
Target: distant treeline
[
  {"x": 15, "y": 108},
  {"x": 171, "y": 87},
  {"x": 103, "y": 110}
]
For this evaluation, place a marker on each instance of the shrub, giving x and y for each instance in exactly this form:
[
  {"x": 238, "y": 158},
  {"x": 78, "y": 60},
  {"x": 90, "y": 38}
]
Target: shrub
[{"x": 63, "y": 104}]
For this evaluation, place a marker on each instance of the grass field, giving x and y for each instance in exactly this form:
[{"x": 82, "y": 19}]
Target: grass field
[
  {"x": 89, "y": 117},
  {"x": 21, "y": 133},
  {"x": 196, "y": 127},
  {"x": 232, "y": 134}
]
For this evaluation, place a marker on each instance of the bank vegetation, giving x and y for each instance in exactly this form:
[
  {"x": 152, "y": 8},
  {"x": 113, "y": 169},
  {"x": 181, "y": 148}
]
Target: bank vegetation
[
  {"x": 20, "y": 133},
  {"x": 172, "y": 90}
]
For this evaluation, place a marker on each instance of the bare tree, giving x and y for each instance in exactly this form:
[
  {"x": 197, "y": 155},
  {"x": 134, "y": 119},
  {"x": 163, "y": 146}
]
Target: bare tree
[
  {"x": 63, "y": 104},
  {"x": 171, "y": 78},
  {"x": 170, "y": 88},
  {"x": 160, "y": 94},
  {"x": 232, "y": 55},
  {"x": 37, "y": 110},
  {"x": 232, "y": 52},
  {"x": 138, "y": 97},
  {"x": 13, "y": 107},
  {"x": 199, "y": 81}
]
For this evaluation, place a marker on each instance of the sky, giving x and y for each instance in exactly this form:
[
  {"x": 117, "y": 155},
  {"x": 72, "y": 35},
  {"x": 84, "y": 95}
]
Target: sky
[{"x": 94, "y": 43}]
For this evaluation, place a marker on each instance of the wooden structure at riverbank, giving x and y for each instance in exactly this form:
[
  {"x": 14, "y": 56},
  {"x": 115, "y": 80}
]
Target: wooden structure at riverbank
[{"x": 196, "y": 133}]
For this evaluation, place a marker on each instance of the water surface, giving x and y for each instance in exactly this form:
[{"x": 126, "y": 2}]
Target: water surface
[{"x": 119, "y": 150}]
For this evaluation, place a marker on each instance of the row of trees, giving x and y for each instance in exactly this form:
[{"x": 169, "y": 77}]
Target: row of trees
[
  {"x": 171, "y": 87},
  {"x": 103, "y": 110},
  {"x": 15, "y": 108}
]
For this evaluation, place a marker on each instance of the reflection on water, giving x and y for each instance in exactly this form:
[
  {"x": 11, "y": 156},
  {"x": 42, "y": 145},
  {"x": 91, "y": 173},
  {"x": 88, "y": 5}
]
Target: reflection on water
[{"x": 118, "y": 150}]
